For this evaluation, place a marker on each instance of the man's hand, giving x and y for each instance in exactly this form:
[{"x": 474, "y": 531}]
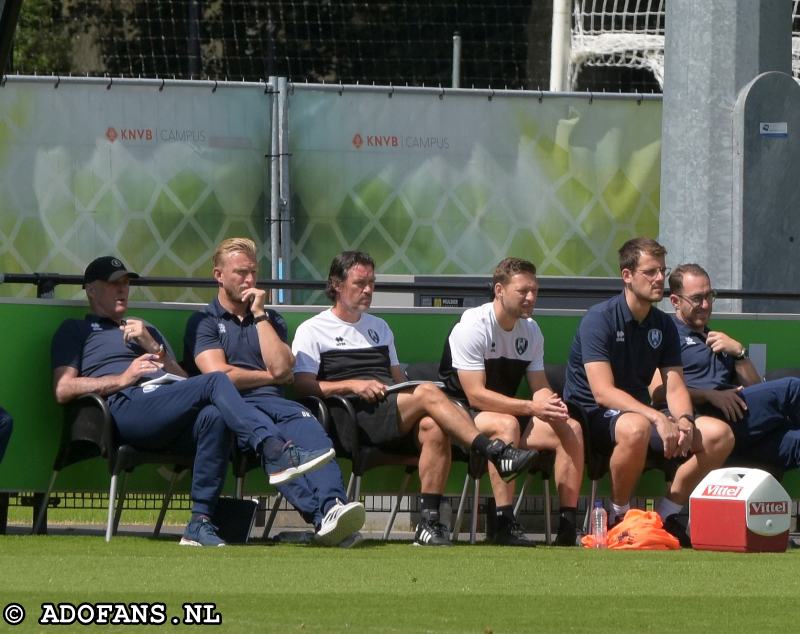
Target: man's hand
[
  {"x": 685, "y": 437},
  {"x": 720, "y": 342},
  {"x": 549, "y": 407},
  {"x": 668, "y": 431},
  {"x": 134, "y": 330},
  {"x": 257, "y": 298},
  {"x": 141, "y": 366},
  {"x": 729, "y": 402},
  {"x": 368, "y": 389}
]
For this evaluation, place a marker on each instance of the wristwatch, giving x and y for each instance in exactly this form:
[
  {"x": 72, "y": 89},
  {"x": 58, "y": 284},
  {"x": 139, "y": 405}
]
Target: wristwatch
[
  {"x": 689, "y": 417},
  {"x": 161, "y": 352},
  {"x": 261, "y": 318},
  {"x": 742, "y": 355}
]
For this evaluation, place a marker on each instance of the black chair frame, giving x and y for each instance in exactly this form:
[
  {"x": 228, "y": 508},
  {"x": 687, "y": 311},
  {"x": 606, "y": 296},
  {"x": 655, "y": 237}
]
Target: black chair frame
[{"x": 89, "y": 432}]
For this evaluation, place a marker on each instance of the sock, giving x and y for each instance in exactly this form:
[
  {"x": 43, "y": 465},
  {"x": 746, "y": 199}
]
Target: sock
[
  {"x": 271, "y": 449},
  {"x": 566, "y": 518},
  {"x": 667, "y": 507},
  {"x": 430, "y": 501},
  {"x": 505, "y": 512},
  {"x": 480, "y": 445},
  {"x": 618, "y": 511}
]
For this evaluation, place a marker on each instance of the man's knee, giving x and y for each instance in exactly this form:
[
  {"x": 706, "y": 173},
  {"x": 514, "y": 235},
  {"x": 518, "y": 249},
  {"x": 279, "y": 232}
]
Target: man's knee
[
  {"x": 632, "y": 430},
  {"x": 209, "y": 423},
  {"x": 717, "y": 435},
  {"x": 496, "y": 425},
  {"x": 430, "y": 433}
]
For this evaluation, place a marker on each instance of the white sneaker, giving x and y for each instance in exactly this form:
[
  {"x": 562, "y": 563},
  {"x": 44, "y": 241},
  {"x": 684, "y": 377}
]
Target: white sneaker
[{"x": 340, "y": 522}]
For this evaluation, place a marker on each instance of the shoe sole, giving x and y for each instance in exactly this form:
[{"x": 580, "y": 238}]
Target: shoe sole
[
  {"x": 524, "y": 468},
  {"x": 185, "y": 541},
  {"x": 350, "y": 521},
  {"x": 287, "y": 475},
  {"x": 432, "y": 544}
]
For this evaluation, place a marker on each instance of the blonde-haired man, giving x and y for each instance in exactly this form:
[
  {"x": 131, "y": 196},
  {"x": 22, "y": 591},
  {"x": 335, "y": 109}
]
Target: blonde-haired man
[{"x": 236, "y": 334}]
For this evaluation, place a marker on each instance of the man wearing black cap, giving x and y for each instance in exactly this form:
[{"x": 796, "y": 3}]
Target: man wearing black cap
[{"x": 113, "y": 356}]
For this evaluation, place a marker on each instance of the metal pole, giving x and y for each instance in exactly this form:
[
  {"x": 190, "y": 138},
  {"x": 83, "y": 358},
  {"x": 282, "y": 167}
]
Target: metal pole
[
  {"x": 194, "y": 38},
  {"x": 456, "y": 82},
  {"x": 273, "y": 223},
  {"x": 284, "y": 224},
  {"x": 560, "y": 46}
]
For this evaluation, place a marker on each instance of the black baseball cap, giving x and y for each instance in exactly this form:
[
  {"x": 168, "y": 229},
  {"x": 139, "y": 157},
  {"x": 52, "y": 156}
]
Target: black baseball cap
[{"x": 107, "y": 268}]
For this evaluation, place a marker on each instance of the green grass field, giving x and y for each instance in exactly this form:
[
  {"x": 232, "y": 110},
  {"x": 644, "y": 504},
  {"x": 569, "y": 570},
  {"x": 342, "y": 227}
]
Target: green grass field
[{"x": 395, "y": 587}]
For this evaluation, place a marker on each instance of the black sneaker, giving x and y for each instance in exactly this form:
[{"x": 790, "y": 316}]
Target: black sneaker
[
  {"x": 430, "y": 531},
  {"x": 566, "y": 536},
  {"x": 510, "y": 533},
  {"x": 510, "y": 462},
  {"x": 675, "y": 528}
]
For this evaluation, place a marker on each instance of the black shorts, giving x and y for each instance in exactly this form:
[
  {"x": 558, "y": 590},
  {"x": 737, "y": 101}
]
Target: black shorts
[{"x": 378, "y": 425}]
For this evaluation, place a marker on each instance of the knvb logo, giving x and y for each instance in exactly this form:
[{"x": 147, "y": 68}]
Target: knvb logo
[
  {"x": 769, "y": 508},
  {"x": 722, "y": 491},
  {"x": 129, "y": 134},
  {"x": 394, "y": 141}
]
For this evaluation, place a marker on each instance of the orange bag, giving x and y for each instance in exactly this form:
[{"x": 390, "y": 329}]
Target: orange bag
[{"x": 639, "y": 530}]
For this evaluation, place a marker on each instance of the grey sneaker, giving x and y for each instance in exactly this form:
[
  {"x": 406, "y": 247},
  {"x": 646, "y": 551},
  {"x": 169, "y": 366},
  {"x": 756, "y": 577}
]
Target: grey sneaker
[
  {"x": 340, "y": 522},
  {"x": 295, "y": 461},
  {"x": 430, "y": 531},
  {"x": 201, "y": 532}
]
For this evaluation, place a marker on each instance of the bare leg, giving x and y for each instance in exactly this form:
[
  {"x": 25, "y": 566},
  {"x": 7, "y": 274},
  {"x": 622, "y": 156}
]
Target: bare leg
[
  {"x": 505, "y": 427},
  {"x": 629, "y": 456},
  {"x": 434, "y": 457},
  {"x": 427, "y": 399},
  {"x": 713, "y": 441},
  {"x": 566, "y": 439}
]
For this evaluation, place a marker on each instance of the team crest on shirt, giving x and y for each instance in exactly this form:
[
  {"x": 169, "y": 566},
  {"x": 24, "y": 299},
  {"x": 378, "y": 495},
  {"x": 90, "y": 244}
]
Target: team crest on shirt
[
  {"x": 221, "y": 328},
  {"x": 95, "y": 326},
  {"x": 521, "y": 344},
  {"x": 690, "y": 341},
  {"x": 654, "y": 337},
  {"x": 373, "y": 335}
]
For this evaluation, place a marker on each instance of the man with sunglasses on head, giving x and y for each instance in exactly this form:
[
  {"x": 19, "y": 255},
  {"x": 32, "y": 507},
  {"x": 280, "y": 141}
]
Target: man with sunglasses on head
[
  {"x": 764, "y": 416},
  {"x": 619, "y": 346}
]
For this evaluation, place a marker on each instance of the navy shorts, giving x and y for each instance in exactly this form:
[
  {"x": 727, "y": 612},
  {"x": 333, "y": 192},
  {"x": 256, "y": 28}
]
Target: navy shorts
[{"x": 602, "y": 430}]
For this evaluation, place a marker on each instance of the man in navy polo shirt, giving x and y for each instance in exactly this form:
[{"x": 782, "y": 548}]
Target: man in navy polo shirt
[
  {"x": 113, "y": 356},
  {"x": 619, "y": 345},
  {"x": 722, "y": 381},
  {"x": 236, "y": 334}
]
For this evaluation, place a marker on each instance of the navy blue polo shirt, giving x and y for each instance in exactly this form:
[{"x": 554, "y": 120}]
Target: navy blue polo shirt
[
  {"x": 702, "y": 368},
  {"x": 214, "y": 328},
  {"x": 608, "y": 332},
  {"x": 95, "y": 346}
]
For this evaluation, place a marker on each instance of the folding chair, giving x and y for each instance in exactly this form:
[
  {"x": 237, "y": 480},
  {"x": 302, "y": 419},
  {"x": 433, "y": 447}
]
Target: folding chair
[
  {"x": 351, "y": 443},
  {"x": 88, "y": 432}
]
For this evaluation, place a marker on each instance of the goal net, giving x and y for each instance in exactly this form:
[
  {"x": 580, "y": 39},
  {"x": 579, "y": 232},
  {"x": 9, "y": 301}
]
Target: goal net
[{"x": 630, "y": 34}]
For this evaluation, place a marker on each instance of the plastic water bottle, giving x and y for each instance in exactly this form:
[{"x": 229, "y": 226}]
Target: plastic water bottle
[{"x": 599, "y": 525}]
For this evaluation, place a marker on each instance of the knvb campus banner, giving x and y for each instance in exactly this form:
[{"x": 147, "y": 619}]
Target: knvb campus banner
[
  {"x": 155, "y": 174},
  {"x": 451, "y": 184},
  {"x": 427, "y": 183}
]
